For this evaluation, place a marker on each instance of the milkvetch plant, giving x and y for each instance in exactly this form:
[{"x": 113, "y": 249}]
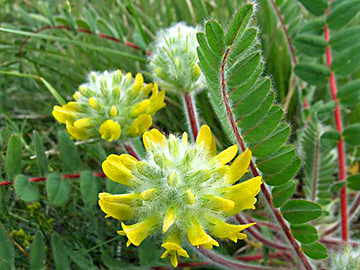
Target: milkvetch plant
[
  {"x": 183, "y": 189},
  {"x": 110, "y": 105}
]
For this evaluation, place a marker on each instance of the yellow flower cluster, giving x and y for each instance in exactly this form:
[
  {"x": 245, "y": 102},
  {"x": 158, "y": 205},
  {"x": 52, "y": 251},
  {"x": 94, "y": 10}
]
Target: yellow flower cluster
[
  {"x": 185, "y": 190},
  {"x": 111, "y": 104}
]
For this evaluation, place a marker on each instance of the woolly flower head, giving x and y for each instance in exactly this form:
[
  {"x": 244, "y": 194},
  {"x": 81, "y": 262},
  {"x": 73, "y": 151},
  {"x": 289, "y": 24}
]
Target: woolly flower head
[
  {"x": 174, "y": 61},
  {"x": 109, "y": 104},
  {"x": 185, "y": 190},
  {"x": 349, "y": 259}
]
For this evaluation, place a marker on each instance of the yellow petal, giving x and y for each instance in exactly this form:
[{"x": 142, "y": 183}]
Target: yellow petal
[
  {"x": 148, "y": 194},
  {"x": 173, "y": 259},
  {"x": 116, "y": 170},
  {"x": 83, "y": 123},
  {"x": 77, "y": 133},
  {"x": 113, "y": 111},
  {"x": 173, "y": 248},
  {"x": 128, "y": 76},
  {"x": 136, "y": 233},
  {"x": 140, "y": 125},
  {"x": 220, "y": 204},
  {"x": 156, "y": 103},
  {"x": 239, "y": 167},
  {"x": 64, "y": 113},
  {"x": 145, "y": 91},
  {"x": 76, "y": 95},
  {"x": 110, "y": 130},
  {"x": 139, "y": 108},
  {"x": 222, "y": 229},
  {"x": 184, "y": 139},
  {"x": 129, "y": 199},
  {"x": 138, "y": 84},
  {"x": 190, "y": 197},
  {"x": 128, "y": 161},
  {"x": 207, "y": 139},
  {"x": 243, "y": 194},
  {"x": 116, "y": 210},
  {"x": 93, "y": 102},
  {"x": 169, "y": 219},
  {"x": 225, "y": 156},
  {"x": 197, "y": 236},
  {"x": 153, "y": 138}
]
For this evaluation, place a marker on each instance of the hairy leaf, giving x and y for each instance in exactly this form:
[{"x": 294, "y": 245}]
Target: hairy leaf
[
  {"x": 58, "y": 189},
  {"x": 305, "y": 233},
  {"x": 68, "y": 153},
  {"x": 353, "y": 182},
  {"x": 313, "y": 73},
  {"x": 282, "y": 193},
  {"x": 37, "y": 252},
  {"x": 40, "y": 153},
  {"x": 352, "y": 134},
  {"x": 13, "y": 157},
  {"x": 317, "y": 7},
  {"x": 342, "y": 13},
  {"x": 315, "y": 251},
  {"x": 300, "y": 211},
  {"x": 59, "y": 250},
  {"x": 310, "y": 44},
  {"x": 26, "y": 190}
]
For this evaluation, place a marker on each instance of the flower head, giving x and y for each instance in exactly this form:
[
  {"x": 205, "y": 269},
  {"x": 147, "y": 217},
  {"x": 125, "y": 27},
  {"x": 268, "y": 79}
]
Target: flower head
[
  {"x": 111, "y": 105},
  {"x": 174, "y": 61},
  {"x": 184, "y": 190}
]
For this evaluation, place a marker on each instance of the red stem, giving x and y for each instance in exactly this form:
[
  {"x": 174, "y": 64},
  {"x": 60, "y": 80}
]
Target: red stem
[
  {"x": 82, "y": 30},
  {"x": 258, "y": 236},
  {"x": 130, "y": 149},
  {"x": 288, "y": 41},
  {"x": 43, "y": 178},
  {"x": 285, "y": 228},
  {"x": 191, "y": 113},
  {"x": 340, "y": 145}
]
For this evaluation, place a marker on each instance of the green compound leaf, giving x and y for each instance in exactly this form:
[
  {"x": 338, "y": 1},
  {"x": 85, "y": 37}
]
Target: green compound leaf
[
  {"x": 352, "y": 134},
  {"x": 330, "y": 138},
  {"x": 59, "y": 251},
  {"x": 346, "y": 38},
  {"x": 342, "y": 13},
  {"x": 37, "y": 252},
  {"x": 305, "y": 233},
  {"x": 349, "y": 94},
  {"x": 317, "y": 7},
  {"x": 89, "y": 187},
  {"x": 282, "y": 193},
  {"x": 40, "y": 153},
  {"x": 347, "y": 61},
  {"x": 58, "y": 189},
  {"x": 313, "y": 73},
  {"x": 353, "y": 182},
  {"x": 7, "y": 252},
  {"x": 315, "y": 251},
  {"x": 300, "y": 211},
  {"x": 311, "y": 45},
  {"x": 68, "y": 153},
  {"x": 26, "y": 190},
  {"x": 13, "y": 157},
  {"x": 241, "y": 95}
]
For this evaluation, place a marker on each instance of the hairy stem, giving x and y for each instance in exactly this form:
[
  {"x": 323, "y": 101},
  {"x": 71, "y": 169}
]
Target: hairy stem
[
  {"x": 191, "y": 114},
  {"x": 340, "y": 145},
  {"x": 280, "y": 219}
]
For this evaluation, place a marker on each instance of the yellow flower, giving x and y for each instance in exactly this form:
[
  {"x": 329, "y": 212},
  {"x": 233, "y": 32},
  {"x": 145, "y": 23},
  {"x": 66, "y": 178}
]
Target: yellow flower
[
  {"x": 108, "y": 103},
  {"x": 173, "y": 249},
  {"x": 110, "y": 130},
  {"x": 181, "y": 189}
]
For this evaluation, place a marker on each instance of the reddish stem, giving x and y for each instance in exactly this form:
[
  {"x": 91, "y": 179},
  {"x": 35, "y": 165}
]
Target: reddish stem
[
  {"x": 130, "y": 149},
  {"x": 258, "y": 236},
  {"x": 81, "y": 30},
  {"x": 288, "y": 41},
  {"x": 285, "y": 228},
  {"x": 191, "y": 113},
  {"x": 340, "y": 145}
]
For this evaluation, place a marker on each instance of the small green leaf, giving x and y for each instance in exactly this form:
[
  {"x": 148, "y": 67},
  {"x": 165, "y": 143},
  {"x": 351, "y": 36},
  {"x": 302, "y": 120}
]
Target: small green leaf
[
  {"x": 315, "y": 251},
  {"x": 316, "y": 7},
  {"x": 326, "y": 110},
  {"x": 7, "y": 252},
  {"x": 337, "y": 186},
  {"x": 89, "y": 187},
  {"x": 353, "y": 182},
  {"x": 347, "y": 61},
  {"x": 300, "y": 211},
  {"x": 60, "y": 255},
  {"x": 68, "y": 153},
  {"x": 346, "y": 38},
  {"x": 13, "y": 157},
  {"x": 37, "y": 252},
  {"x": 215, "y": 36},
  {"x": 58, "y": 189},
  {"x": 81, "y": 260},
  {"x": 352, "y": 134},
  {"x": 282, "y": 193},
  {"x": 238, "y": 23},
  {"x": 349, "y": 94},
  {"x": 342, "y": 13},
  {"x": 26, "y": 190},
  {"x": 313, "y": 73},
  {"x": 40, "y": 153},
  {"x": 330, "y": 138},
  {"x": 305, "y": 233},
  {"x": 311, "y": 45}
]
